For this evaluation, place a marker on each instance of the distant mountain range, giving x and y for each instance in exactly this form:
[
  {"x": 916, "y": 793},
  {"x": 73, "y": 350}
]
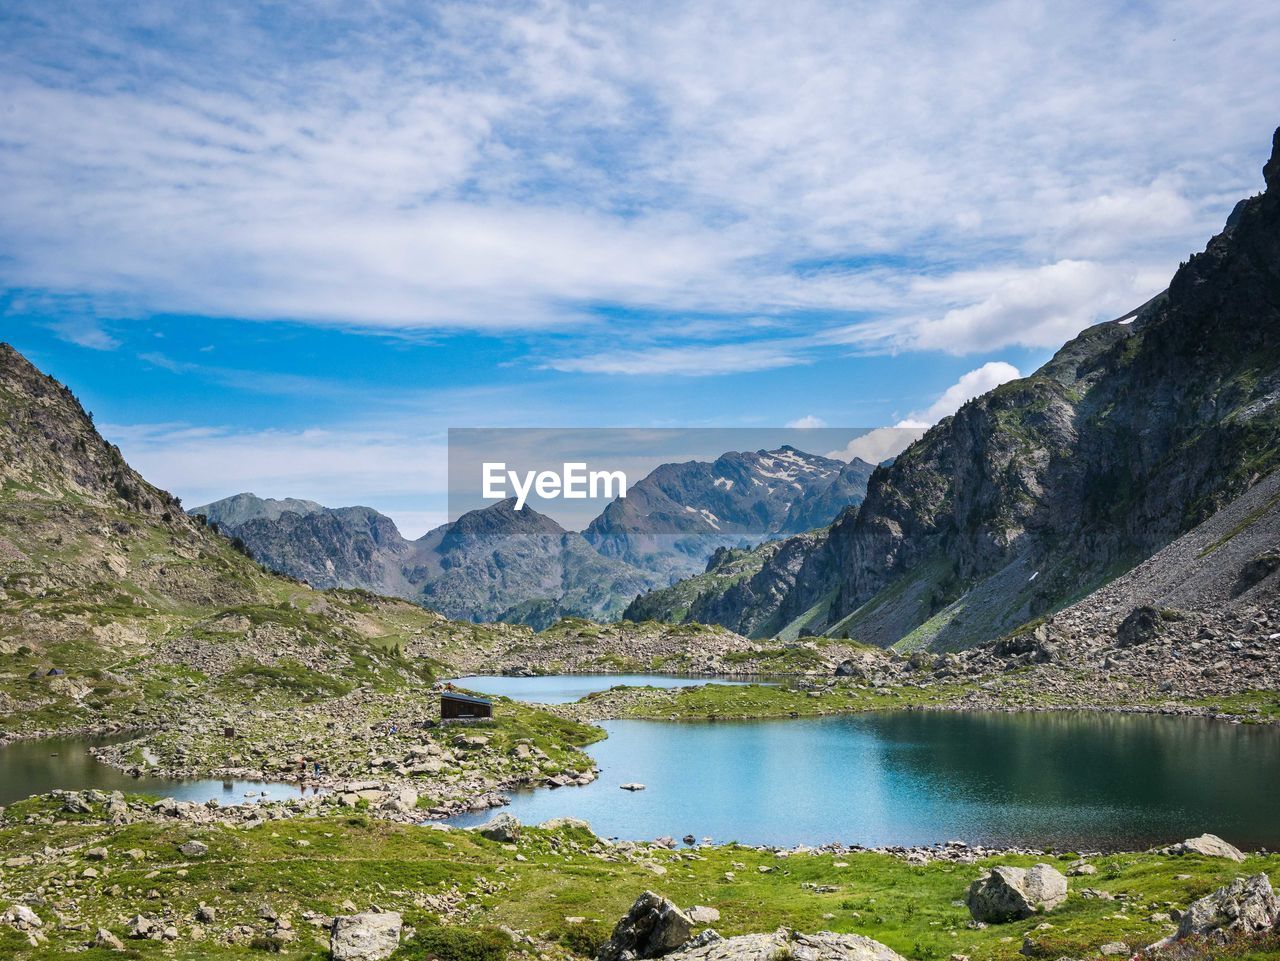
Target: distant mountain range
[
  {"x": 1045, "y": 488},
  {"x": 500, "y": 564}
]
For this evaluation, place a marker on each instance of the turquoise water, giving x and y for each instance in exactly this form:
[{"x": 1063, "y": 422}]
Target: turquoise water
[
  {"x": 565, "y": 688},
  {"x": 36, "y": 767},
  {"x": 1071, "y": 781}
]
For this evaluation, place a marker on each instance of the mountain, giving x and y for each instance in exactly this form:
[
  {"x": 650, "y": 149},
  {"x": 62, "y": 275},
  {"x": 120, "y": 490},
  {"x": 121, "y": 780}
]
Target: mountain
[
  {"x": 742, "y": 589},
  {"x": 242, "y": 508},
  {"x": 117, "y": 608},
  {"x": 500, "y": 564},
  {"x": 326, "y": 547},
  {"x": 673, "y": 519},
  {"x": 491, "y": 564},
  {"x": 1047, "y": 487}
]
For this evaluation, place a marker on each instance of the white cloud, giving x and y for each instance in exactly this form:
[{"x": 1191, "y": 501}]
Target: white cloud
[
  {"x": 808, "y": 421},
  {"x": 1033, "y": 307},
  {"x": 973, "y": 384},
  {"x": 500, "y": 166},
  {"x": 989, "y": 308},
  {"x": 880, "y": 444},
  {"x": 84, "y": 332},
  {"x": 885, "y": 442}
]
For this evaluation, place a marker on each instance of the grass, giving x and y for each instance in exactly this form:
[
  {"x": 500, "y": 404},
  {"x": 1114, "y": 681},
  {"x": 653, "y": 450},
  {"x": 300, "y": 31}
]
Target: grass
[
  {"x": 463, "y": 881},
  {"x": 1251, "y": 706},
  {"x": 716, "y": 701},
  {"x": 782, "y": 660},
  {"x": 288, "y": 676}
]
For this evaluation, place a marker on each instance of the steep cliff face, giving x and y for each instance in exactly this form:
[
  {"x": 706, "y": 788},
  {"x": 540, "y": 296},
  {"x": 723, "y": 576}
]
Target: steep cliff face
[
  {"x": 1049, "y": 486},
  {"x": 1044, "y": 488},
  {"x": 344, "y": 547}
]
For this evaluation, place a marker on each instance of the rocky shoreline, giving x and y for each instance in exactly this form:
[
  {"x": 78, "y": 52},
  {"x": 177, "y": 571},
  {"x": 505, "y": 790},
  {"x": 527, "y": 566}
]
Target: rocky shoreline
[
  {"x": 115, "y": 808},
  {"x": 430, "y": 772}
]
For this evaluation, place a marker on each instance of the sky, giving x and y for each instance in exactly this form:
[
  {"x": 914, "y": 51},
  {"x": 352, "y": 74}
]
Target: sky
[{"x": 283, "y": 248}]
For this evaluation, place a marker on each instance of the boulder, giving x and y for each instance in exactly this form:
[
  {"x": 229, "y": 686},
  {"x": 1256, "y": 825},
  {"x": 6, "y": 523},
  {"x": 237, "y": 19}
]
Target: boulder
[
  {"x": 1246, "y": 906},
  {"x": 1141, "y": 626},
  {"x": 652, "y": 928},
  {"x": 700, "y": 914},
  {"x": 503, "y": 827},
  {"x": 371, "y": 936},
  {"x": 1208, "y": 845},
  {"x": 143, "y": 928},
  {"x": 105, "y": 939},
  {"x": 21, "y": 917},
  {"x": 563, "y": 823},
  {"x": 193, "y": 849},
  {"x": 1009, "y": 893},
  {"x": 824, "y": 946}
]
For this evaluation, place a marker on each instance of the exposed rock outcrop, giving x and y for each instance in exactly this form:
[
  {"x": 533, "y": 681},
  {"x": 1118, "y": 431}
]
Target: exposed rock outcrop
[
  {"x": 1009, "y": 893},
  {"x": 1208, "y": 845},
  {"x": 502, "y": 827},
  {"x": 823, "y": 946},
  {"x": 653, "y": 927},
  {"x": 1245, "y": 906},
  {"x": 372, "y": 936}
]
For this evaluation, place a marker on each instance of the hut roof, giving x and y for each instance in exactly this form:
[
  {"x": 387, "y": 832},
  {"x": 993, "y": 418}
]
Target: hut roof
[{"x": 465, "y": 698}]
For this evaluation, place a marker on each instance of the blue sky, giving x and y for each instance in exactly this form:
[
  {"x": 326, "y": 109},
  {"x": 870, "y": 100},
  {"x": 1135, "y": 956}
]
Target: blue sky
[{"x": 283, "y": 248}]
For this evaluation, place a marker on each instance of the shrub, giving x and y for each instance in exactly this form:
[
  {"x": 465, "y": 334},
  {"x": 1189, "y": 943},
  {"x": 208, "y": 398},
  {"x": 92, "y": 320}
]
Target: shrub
[
  {"x": 584, "y": 939},
  {"x": 456, "y": 944}
]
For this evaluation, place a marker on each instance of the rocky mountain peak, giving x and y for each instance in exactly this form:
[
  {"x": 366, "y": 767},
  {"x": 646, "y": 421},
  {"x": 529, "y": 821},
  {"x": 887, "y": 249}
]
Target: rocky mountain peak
[
  {"x": 1271, "y": 169},
  {"x": 241, "y": 508},
  {"x": 50, "y": 448}
]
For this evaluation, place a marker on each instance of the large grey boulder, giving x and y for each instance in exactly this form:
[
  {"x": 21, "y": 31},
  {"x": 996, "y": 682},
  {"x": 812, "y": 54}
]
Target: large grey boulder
[
  {"x": 652, "y": 927},
  {"x": 504, "y": 827},
  {"x": 1208, "y": 845},
  {"x": 1246, "y": 905},
  {"x": 371, "y": 936},
  {"x": 824, "y": 946},
  {"x": 1009, "y": 893}
]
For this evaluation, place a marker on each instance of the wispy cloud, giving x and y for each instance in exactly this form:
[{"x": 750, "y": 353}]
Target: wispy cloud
[
  {"x": 694, "y": 360},
  {"x": 499, "y": 166},
  {"x": 395, "y": 472},
  {"x": 84, "y": 332}
]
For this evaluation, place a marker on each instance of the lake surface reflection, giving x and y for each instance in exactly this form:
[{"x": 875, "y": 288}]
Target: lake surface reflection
[{"x": 1067, "y": 780}]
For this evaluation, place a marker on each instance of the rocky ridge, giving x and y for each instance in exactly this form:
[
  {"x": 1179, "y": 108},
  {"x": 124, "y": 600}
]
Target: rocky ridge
[
  {"x": 523, "y": 567},
  {"x": 1047, "y": 487}
]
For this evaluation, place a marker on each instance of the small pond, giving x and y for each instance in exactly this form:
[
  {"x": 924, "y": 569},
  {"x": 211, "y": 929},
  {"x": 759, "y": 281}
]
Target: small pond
[
  {"x": 48, "y": 764},
  {"x": 565, "y": 688}
]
